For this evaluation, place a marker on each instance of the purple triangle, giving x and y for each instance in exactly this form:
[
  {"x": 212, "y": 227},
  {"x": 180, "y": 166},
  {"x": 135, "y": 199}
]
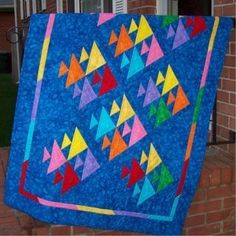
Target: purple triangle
[
  {"x": 78, "y": 163},
  {"x": 141, "y": 90},
  {"x": 181, "y": 35},
  {"x": 144, "y": 48},
  {"x": 46, "y": 155},
  {"x": 88, "y": 95},
  {"x": 90, "y": 165},
  {"x": 152, "y": 93},
  {"x": 77, "y": 91},
  {"x": 171, "y": 32}
]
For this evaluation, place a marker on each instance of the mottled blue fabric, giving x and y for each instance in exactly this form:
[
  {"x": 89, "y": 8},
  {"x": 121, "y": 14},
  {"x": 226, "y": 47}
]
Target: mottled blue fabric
[{"x": 154, "y": 202}]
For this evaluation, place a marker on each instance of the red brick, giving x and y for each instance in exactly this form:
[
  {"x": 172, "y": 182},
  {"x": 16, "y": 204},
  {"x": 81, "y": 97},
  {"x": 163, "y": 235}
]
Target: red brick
[
  {"x": 219, "y": 2},
  {"x": 229, "y": 60},
  {"x": 41, "y": 231},
  {"x": 226, "y": 109},
  {"x": 232, "y": 148},
  {"x": 218, "y": 216},
  {"x": 200, "y": 196},
  {"x": 60, "y": 230},
  {"x": 232, "y": 74},
  {"x": 218, "y": 11},
  {"x": 205, "y": 229},
  {"x": 228, "y": 85},
  {"x": 195, "y": 220},
  {"x": 229, "y": 225},
  {"x": 232, "y": 48},
  {"x": 204, "y": 180},
  {"x": 220, "y": 191},
  {"x": 233, "y": 98},
  {"x": 226, "y": 174},
  {"x": 82, "y": 230},
  {"x": 229, "y": 10},
  {"x": 229, "y": 202},
  {"x": 223, "y": 95},
  {"x": 203, "y": 207},
  {"x": 215, "y": 177}
]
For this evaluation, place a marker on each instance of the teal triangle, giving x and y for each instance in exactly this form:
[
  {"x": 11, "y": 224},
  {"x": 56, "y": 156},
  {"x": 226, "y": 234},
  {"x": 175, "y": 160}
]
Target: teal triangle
[
  {"x": 165, "y": 178},
  {"x": 136, "y": 190},
  {"x": 105, "y": 124},
  {"x": 146, "y": 192},
  {"x": 93, "y": 122},
  {"x": 125, "y": 61},
  {"x": 136, "y": 63}
]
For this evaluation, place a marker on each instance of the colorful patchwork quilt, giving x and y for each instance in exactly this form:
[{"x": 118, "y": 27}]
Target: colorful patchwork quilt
[{"x": 112, "y": 118}]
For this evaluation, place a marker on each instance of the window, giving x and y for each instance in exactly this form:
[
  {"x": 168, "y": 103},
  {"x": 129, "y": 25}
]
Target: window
[
  {"x": 59, "y": 6},
  {"x": 24, "y": 9}
]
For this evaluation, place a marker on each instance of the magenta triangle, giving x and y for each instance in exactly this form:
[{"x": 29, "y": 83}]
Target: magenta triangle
[
  {"x": 144, "y": 48},
  {"x": 46, "y": 155}
]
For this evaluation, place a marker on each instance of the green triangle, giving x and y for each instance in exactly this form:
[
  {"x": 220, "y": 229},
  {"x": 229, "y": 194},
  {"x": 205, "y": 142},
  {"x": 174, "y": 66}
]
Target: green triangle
[
  {"x": 162, "y": 113},
  {"x": 155, "y": 177},
  {"x": 152, "y": 110},
  {"x": 165, "y": 178},
  {"x": 167, "y": 20}
]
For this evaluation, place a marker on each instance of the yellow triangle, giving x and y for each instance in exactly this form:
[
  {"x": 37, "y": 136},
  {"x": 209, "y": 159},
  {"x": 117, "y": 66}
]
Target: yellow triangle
[
  {"x": 78, "y": 144},
  {"x": 114, "y": 109},
  {"x": 126, "y": 111},
  {"x": 66, "y": 141},
  {"x": 170, "y": 81},
  {"x": 143, "y": 158},
  {"x": 132, "y": 27},
  {"x": 153, "y": 159},
  {"x": 144, "y": 30},
  {"x": 160, "y": 78},
  {"x": 84, "y": 56},
  {"x": 96, "y": 59}
]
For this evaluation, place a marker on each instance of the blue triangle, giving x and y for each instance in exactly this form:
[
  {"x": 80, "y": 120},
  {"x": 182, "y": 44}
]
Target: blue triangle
[
  {"x": 125, "y": 61},
  {"x": 146, "y": 192},
  {"x": 105, "y": 124},
  {"x": 136, "y": 190},
  {"x": 93, "y": 122},
  {"x": 136, "y": 63}
]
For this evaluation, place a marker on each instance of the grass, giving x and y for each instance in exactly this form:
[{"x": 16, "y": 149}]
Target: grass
[{"x": 8, "y": 91}]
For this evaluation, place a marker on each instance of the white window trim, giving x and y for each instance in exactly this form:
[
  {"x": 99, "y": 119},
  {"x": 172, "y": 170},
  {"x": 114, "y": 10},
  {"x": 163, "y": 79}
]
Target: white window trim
[
  {"x": 114, "y": 6},
  {"x": 59, "y": 6},
  {"x": 77, "y": 6},
  {"x": 22, "y": 9},
  {"x": 162, "y": 7},
  {"x": 27, "y": 8},
  {"x": 34, "y": 6},
  {"x": 44, "y": 4}
]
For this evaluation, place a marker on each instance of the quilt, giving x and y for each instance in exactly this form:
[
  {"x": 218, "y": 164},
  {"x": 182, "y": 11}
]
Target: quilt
[{"x": 112, "y": 118}]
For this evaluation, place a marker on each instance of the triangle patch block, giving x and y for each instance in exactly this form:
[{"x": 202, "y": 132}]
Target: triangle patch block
[
  {"x": 63, "y": 69},
  {"x": 126, "y": 129},
  {"x": 133, "y": 26},
  {"x": 118, "y": 145},
  {"x": 146, "y": 192},
  {"x": 136, "y": 190},
  {"x": 104, "y": 17},
  {"x": 113, "y": 38},
  {"x": 124, "y": 172},
  {"x": 93, "y": 122},
  {"x": 46, "y": 155},
  {"x": 84, "y": 56},
  {"x": 160, "y": 78},
  {"x": 125, "y": 61},
  {"x": 106, "y": 142},
  {"x": 78, "y": 144},
  {"x": 66, "y": 141},
  {"x": 153, "y": 159},
  {"x": 58, "y": 177},
  {"x": 162, "y": 113},
  {"x": 136, "y": 173},
  {"x": 96, "y": 78},
  {"x": 141, "y": 90},
  {"x": 114, "y": 109},
  {"x": 170, "y": 81},
  {"x": 143, "y": 158}
]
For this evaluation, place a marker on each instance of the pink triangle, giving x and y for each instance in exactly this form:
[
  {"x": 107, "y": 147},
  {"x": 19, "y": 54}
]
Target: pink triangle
[
  {"x": 46, "y": 155},
  {"x": 144, "y": 48},
  {"x": 155, "y": 52},
  {"x": 126, "y": 129},
  {"x": 103, "y": 17},
  {"x": 57, "y": 159},
  {"x": 138, "y": 131}
]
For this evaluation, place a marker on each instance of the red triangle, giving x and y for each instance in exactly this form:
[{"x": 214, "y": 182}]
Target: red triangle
[
  {"x": 136, "y": 173},
  {"x": 58, "y": 177},
  {"x": 70, "y": 179},
  {"x": 199, "y": 25},
  {"x": 189, "y": 22},
  {"x": 96, "y": 78},
  {"x": 125, "y": 171},
  {"x": 124, "y": 42},
  {"x": 108, "y": 82}
]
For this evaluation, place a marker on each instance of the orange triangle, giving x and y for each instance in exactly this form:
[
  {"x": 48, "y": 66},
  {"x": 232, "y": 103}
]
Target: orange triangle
[
  {"x": 75, "y": 72},
  {"x": 124, "y": 42},
  {"x": 171, "y": 98},
  {"x": 63, "y": 69},
  {"x": 181, "y": 101},
  {"x": 113, "y": 38},
  {"x": 118, "y": 145},
  {"x": 106, "y": 143}
]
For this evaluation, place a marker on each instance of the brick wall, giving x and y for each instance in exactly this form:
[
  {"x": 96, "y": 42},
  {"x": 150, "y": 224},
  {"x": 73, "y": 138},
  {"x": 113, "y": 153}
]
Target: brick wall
[
  {"x": 211, "y": 213},
  {"x": 6, "y": 22},
  {"x": 226, "y": 92},
  {"x": 142, "y": 6}
]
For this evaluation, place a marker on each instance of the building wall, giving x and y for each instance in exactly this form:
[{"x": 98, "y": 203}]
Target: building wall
[
  {"x": 6, "y": 22},
  {"x": 141, "y": 6},
  {"x": 226, "y": 112}
]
